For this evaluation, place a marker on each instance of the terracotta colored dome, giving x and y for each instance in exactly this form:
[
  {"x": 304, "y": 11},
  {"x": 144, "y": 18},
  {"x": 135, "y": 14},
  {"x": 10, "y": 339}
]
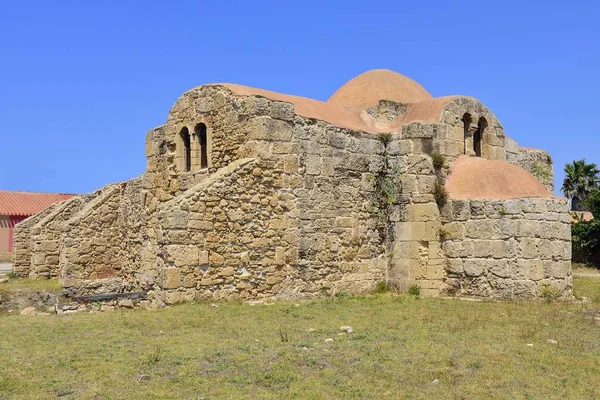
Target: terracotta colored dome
[
  {"x": 478, "y": 178},
  {"x": 368, "y": 88}
]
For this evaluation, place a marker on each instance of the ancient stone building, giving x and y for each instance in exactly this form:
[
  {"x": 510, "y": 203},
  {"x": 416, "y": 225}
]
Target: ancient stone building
[{"x": 250, "y": 193}]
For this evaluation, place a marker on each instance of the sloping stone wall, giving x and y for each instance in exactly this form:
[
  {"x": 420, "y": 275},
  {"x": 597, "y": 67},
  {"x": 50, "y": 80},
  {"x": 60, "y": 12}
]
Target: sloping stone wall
[
  {"x": 45, "y": 236},
  {"x": 23, "y": 244},
  {"x": 507, "y": 248}
]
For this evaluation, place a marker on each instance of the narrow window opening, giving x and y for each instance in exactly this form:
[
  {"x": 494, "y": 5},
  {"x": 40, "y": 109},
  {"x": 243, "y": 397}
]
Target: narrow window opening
[
  {"x": 187, "y": 150},
  {"x": 466, "y": 126},
  {"x": 200, "y": 132},
  {"x": 478, "y": 135}
]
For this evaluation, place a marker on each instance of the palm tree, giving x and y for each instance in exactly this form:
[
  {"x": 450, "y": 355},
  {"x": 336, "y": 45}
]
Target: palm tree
[{"x": 580, "y": 180}]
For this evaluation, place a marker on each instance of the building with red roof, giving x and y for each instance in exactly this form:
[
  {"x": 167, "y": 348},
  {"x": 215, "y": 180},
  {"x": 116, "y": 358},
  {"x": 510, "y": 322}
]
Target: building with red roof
[{"x": 15, "y": 206}]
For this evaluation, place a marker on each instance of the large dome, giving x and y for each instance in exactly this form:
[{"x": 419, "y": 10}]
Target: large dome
[{"x": 368, "y": 88}]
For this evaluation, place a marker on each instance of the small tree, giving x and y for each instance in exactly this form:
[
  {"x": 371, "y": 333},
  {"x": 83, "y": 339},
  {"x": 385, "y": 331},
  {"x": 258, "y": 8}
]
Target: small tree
[
  {"x": 580, "y": 179},
  {"x": 585, "y": 235}
]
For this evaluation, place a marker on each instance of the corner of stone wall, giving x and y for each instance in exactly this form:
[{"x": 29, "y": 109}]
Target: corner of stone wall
[
  {"x": 539, "y": 164},
  {"x": 515, "y": 248},
  {"x": 416, "y": 257}
]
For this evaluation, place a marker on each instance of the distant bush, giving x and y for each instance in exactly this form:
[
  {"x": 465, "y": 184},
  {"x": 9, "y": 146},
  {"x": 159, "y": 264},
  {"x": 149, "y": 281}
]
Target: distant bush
[{"x": 586, "y": 234}]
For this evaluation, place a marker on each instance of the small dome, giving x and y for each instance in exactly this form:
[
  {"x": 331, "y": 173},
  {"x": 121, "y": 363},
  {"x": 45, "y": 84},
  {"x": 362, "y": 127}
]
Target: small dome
[
  {"x": 368, "y": 88},
  {"x": 478, "y": 178}
]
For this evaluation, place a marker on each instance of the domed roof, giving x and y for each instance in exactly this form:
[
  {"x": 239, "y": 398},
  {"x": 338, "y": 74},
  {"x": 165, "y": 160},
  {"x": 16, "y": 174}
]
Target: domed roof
[
  {"x": 478, "y": 178},
  {"x": 368, "y": 88}
]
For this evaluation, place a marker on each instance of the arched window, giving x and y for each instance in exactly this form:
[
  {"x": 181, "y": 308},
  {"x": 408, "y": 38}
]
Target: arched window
[
  {"x": 478, "y": 135},
  {"x": 200, "y": 131},
  {"x": 466, "y": 126},
  {"x": 187, "y": 150}
]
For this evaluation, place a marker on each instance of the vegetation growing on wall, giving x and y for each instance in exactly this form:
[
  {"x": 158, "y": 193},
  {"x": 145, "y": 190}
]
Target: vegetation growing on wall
[
  {"x": 440, "y": 194},
  {"x": 438, "y": 160}
]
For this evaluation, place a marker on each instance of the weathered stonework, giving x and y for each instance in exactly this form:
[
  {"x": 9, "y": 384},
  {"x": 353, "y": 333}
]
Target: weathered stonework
[
  {"x": 253, "y": 194},
  {"x": 507, "y": 248}
]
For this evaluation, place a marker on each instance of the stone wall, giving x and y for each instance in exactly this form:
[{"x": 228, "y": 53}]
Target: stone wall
[
  {"x": 507, "y": 248},
  {"x": 292, "y": 207},
  {"x": 311, "y": 185},
  {"x": 45, "y": 238},
  {"x": 23, "y": 244},
  {"x": 535, "y": 161},
  {"x": 104, "y": 240}
]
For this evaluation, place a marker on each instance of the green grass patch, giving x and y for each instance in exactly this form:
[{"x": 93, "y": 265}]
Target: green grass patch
[
  {"x": 399, "y": 347},
  {"x": 14, "y": 285}
]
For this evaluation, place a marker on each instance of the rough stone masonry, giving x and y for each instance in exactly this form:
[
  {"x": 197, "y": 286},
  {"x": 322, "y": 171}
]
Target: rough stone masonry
[{"x": 254, "y": 194}]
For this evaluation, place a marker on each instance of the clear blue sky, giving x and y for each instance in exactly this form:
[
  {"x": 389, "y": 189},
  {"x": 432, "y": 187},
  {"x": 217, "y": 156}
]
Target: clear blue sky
[{"x": 82, "y": 81}]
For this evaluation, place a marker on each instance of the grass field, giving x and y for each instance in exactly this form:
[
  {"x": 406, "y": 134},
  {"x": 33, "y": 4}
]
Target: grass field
[{"x": 401, "y": 347}]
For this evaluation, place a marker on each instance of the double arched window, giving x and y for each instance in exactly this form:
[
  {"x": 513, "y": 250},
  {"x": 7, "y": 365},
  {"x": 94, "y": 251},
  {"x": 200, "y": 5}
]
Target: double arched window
[
  {"x": 473, "y": 134},
  {"x": 193, "y": 149}
]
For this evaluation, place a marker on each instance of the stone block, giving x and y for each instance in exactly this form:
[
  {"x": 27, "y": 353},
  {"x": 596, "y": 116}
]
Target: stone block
[
  {"x": 172, "y": 278},
  {"x": 215, "y": 259},
  {"x": 182, "y": 255},
  {"x": 525, "y": 289},
  {"x": 419, "y": 165},
  {"x": 454, "y": 266},
  {"x": 499, "y": 268},
  {"x": 504, "y": 248},
  {"x": 482, "y": 248},
  {"x": 461, "y": 210},
  {"x": 477, "y": 210},
  {"x": 313, "y": 164},
  {"x": 423, "y": 212},
  {"x": 529, "y": 247},
  {"x": 425, "y": 231},
  {"x": 474, "y": 267}
]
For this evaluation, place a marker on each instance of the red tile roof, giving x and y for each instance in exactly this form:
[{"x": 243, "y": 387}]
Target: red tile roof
[{"x": 28, "y": 203}]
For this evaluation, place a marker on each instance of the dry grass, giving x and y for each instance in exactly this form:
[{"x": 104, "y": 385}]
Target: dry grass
[
  {"x": 579, "y": 268},
  {"x": 400, "y": 345}
]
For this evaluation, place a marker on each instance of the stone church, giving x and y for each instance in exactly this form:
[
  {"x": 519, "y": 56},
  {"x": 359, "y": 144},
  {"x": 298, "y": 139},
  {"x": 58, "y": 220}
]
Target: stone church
[{"x": 254, "y": 194}]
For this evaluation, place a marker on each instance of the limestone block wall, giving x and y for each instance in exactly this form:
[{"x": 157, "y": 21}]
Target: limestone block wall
[
  {"x": 513, "y": 248},
  {"x": 45, "y": 237},
  {"x": 539, "y": 164},
  {"x": 309, "y": 201},
  {"x": 231, "y": 235},
  {"x": 22, "y": 243},
  {"x": 105, "y": 238},
  {"x": 415, "y": 256}
]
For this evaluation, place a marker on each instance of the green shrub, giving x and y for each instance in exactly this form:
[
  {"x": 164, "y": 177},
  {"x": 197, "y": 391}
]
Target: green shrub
[
  {"x": 444, "y": 234},
  {"x": 415, "y": 290},
  {"x": 384, "y": 138},
  {"x": 438, "y": 160},
  {"x": 586, "y": 234},
  {"x": 381, "y": 287},
  {"x": 549, "y": 293},
  {"x": 11, "y": 275},
  {"x": 440, "y": 194}
]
